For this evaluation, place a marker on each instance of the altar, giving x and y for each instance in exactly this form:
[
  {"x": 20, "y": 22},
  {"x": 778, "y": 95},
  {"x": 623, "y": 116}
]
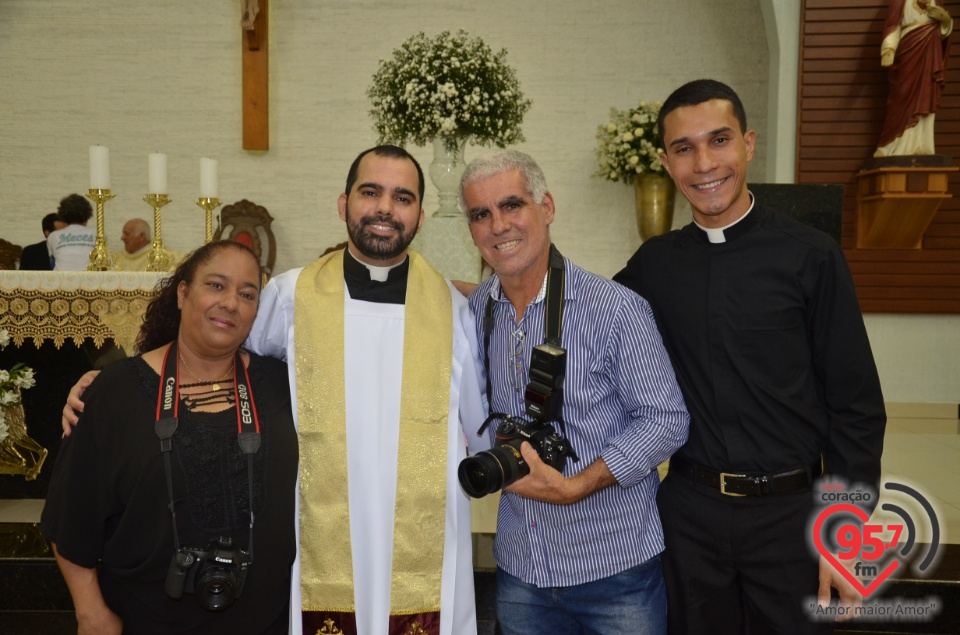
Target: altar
[
  {"x": 61, "y": 323},
  {"x": 75, "y": 305}
]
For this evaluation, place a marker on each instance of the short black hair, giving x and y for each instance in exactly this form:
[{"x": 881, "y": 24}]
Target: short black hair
[
  {"x": 394, "y": 152},
  {"x": 48, "y": 222},
  {"x": 74, "y": 209},
  {"x": 697, "y": 92}
]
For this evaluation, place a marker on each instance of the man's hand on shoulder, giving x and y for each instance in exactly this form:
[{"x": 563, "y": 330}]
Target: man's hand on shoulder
[
  {"x": 465, "y": 288},
  {"x": 74, "y": 406},
  {"x": 546, "y": 484}
]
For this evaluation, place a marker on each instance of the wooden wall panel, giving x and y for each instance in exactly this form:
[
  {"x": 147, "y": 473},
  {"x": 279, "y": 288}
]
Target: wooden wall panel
[{"x": 842, "y": 97}]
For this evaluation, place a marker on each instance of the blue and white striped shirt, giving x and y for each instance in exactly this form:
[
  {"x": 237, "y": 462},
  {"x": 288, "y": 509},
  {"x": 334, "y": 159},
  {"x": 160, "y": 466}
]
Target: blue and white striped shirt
[{"x": 621, "y": 403}]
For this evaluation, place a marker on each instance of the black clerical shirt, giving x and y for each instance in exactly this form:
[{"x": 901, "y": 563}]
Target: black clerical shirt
[
  {"x": 768, "y": 342},
  {"x": 393, "y": 290}
]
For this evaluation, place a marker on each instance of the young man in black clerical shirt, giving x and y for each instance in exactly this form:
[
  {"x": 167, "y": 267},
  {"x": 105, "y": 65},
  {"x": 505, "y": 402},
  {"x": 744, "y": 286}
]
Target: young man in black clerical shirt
[{"x": 761, "y": 320}]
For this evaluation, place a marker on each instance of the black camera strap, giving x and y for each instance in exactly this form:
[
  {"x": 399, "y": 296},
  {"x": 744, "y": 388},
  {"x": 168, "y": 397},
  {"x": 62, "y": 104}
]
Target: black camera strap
[
  {"x": 168, "y": 406},
  {"x": 556, "y": 285},
  {"x": 552, "y": 322}
]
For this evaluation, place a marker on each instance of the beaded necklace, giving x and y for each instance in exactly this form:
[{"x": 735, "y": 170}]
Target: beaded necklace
[{"x": 214, "y": 384}]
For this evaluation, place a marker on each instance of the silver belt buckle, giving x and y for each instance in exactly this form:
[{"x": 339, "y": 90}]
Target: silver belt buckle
[{"x": 723, "y": 483}]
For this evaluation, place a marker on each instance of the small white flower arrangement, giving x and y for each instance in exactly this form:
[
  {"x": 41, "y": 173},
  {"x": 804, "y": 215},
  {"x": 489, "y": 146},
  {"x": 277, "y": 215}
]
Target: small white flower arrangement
[
  {"x": 19, "y": 376},
  {"x": 449, "y": 86},
  {"x": 629, "y": 144}
]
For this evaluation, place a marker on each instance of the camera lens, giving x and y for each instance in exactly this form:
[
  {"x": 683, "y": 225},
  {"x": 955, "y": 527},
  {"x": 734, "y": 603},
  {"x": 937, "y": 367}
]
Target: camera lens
[
  {"x": 490, "y": 471},
  {"x": 215, "y": 589}
]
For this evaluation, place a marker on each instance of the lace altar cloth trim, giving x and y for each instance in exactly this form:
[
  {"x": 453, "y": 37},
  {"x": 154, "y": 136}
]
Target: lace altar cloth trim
[{"x": 76, "y": 305}]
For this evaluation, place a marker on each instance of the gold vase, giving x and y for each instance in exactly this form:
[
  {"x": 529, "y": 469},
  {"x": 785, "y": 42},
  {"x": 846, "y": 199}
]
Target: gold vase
[
  {"x": 654, "y": 198},
  {"x": 19, "y": 454}
]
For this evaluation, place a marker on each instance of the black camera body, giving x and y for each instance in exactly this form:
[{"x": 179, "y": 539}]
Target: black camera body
[
  {"x": 494, "y": 469},
  {"x": 544, "y": 393},
  {"x": 216, "y": 574},
  {"x": 552, "y": 448}
]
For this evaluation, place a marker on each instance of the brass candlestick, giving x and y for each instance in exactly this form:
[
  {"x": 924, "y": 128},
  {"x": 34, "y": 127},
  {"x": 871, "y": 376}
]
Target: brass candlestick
[
  {"x": 159, "y": 259},
  {"x": 100, "y": 258},
  {"x": 209, "y": 204}
]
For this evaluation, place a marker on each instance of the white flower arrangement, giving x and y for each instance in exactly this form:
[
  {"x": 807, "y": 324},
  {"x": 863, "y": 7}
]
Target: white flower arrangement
[
  {"x": 450, "y": 86},
  {"x": 629, "y": 144},
  {"x": 19, "y": 376}
]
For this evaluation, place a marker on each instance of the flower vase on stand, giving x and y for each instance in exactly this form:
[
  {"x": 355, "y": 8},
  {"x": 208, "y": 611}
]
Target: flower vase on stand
[
  {"x": 655, "y": 195},
  {"x": 444, "y": 240},
  {"x": 445, "y": 171}
]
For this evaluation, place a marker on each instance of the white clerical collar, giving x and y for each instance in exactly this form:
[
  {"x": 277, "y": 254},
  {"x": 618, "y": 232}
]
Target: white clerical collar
[
  {"x": 715, "y": 235},
  {"x": 378, "y": 273}
]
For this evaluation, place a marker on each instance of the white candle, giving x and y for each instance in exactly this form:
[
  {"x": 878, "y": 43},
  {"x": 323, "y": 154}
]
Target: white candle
[
  {"x": 157, "y": 165},
  {"x": 208, "y": 178},
  {"x": 99, "y": 168}
]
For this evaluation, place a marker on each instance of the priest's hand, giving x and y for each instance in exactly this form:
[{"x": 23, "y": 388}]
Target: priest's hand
[
  {"x": 850, "y": 598},
  {"x": 886, "y": 57},
  {"x": 546, "y": 484},
  {"x": 74, "y": 406},
  {"x": 464, "y": 287}
]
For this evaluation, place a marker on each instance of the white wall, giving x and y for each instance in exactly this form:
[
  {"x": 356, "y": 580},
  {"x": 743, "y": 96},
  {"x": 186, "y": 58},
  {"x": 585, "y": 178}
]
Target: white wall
[
  {"x": 782, "y": 21},
  {"x": 918, "y": 356}
]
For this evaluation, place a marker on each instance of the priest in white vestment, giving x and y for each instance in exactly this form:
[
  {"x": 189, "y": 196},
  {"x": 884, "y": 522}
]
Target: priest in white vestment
[
  {"x": 403, "y": 328},
  {"x": 136, "y": 246}
]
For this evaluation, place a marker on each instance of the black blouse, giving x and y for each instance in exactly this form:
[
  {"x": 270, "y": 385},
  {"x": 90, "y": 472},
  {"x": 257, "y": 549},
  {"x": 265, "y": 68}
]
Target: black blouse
[{"x": 107, "y": 505}]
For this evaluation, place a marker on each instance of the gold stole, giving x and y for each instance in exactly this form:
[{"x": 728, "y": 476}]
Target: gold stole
[{"x": 420, "y": 512}]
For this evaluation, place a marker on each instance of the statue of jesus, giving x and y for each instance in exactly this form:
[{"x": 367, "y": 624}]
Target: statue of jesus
[{"x": 915, "y": 47}]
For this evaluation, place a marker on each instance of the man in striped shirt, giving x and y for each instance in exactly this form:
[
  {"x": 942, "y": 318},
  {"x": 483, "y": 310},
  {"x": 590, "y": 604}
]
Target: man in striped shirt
[{"x": 579, "y": 549}]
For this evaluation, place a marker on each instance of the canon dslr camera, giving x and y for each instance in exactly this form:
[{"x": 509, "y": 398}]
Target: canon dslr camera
[
  {"x": 494, "y": 469},
  {"x": 215, "y": 574}
]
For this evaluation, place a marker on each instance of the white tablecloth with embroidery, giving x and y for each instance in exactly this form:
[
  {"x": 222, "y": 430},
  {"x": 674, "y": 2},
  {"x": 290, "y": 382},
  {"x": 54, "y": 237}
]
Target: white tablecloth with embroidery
[{"x": 75, "y": 305}]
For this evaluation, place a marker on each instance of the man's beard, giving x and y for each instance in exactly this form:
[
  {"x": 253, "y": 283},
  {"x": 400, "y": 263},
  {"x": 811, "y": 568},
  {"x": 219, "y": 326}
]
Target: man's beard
[{"x": 378, "y": 247}]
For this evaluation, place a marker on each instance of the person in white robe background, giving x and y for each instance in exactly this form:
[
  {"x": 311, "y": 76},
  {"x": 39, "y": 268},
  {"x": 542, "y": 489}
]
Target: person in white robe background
[{"x": 136, "y": 246}]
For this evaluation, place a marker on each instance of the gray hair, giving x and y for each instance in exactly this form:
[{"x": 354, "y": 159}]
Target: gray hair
[{"x": 494, "y": 163}]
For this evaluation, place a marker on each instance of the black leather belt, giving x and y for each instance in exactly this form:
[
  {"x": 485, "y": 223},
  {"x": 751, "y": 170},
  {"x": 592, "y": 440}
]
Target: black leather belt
[{"x": 741, "y": 484}]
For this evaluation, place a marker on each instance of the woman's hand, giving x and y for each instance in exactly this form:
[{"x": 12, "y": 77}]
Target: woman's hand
[{"x": 94, "y": 617}]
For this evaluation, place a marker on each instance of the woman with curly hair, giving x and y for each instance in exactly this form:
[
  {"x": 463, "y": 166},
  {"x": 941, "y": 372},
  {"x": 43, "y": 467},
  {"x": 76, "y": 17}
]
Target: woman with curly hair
[
  {"x": 70, "y": 246},
  {"x": 184, "y": 460}
]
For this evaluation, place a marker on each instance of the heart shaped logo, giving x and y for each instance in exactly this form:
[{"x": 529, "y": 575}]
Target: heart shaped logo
[{"x": 865, "y": 591}]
